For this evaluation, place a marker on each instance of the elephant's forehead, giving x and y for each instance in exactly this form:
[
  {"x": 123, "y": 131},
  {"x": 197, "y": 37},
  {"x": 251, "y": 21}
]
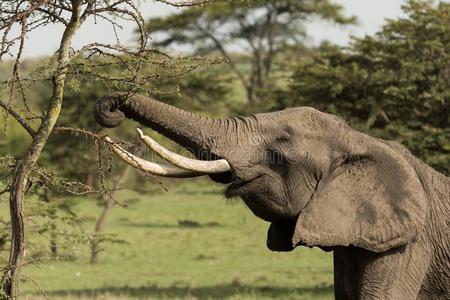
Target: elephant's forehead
[{"x": 301, "y": 118}]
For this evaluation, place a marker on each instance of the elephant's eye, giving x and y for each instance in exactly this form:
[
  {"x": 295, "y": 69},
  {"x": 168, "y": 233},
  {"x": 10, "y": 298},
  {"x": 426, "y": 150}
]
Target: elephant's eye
[{"x": 282, "y": 139}]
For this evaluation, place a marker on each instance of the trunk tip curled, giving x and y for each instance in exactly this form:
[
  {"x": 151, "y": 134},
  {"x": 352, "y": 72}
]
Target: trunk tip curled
[{"x": 107, "y": 112}]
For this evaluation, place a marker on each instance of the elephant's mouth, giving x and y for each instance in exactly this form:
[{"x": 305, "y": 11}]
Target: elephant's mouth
[{"x": 240, "y": 186}]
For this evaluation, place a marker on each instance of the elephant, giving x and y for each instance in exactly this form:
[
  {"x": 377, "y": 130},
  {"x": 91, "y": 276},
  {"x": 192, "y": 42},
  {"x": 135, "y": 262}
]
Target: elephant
[{"x": 383, "y": 213}]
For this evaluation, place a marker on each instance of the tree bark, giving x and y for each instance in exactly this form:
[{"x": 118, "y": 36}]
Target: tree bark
[
  {"x": 89, "y": 181},
  {"x": 11, "y": 277},
  {"x": 101, "y": 221},
  {"x": 52, "y": 217}
]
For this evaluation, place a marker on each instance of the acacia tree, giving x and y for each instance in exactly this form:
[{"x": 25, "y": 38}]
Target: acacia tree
[
  {"x": 31, "y": 15},
  {"x": 139, "y": 66},
  {"x": 258, "y": 32},
  {"x": 395, "y": 84}
]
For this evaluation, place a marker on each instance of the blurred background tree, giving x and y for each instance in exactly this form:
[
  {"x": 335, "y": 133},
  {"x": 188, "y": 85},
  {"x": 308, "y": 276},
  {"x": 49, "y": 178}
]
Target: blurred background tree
[
  {"x": 252, "y": 36},
  {"x": 394, "y": 85}
]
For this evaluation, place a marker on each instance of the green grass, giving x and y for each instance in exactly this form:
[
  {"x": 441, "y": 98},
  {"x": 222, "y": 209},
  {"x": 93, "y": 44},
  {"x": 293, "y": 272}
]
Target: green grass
[{"x": 223, "y": 258}]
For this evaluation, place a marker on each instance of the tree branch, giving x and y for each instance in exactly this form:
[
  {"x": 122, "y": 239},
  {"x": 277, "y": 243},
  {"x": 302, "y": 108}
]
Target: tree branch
[
  {"x": 187, "y": 3},
  {"x": 18, "y": 118},
  {"x": 53, "y": 15}
]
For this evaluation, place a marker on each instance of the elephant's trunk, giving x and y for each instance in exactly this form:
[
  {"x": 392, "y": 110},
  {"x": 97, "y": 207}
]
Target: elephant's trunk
[{"x": 194, "y": 132}]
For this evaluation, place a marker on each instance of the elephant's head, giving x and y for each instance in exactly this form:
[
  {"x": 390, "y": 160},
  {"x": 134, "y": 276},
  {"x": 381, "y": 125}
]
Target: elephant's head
[{"x": 316, "y": 180}]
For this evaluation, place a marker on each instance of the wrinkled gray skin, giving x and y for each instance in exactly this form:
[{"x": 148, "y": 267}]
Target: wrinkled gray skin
[{"x": 383, "y": 213}]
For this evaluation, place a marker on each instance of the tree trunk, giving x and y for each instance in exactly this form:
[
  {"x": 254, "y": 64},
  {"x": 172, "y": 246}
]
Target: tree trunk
[
  {"x": 89, "y": 181},
  {"x": 250, "y": 95},
  {"x": 11, "y": 277},
  {"x": 52, "y": 217},
  {"x": 101, "y": 221}
]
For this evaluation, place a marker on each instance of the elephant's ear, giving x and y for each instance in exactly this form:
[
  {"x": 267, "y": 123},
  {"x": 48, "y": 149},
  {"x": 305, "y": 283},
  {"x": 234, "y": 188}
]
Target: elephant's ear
[{"x": 374, "y": 201}]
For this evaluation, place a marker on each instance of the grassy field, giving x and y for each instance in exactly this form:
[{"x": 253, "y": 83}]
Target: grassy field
[{"x": 224, "y": 257}]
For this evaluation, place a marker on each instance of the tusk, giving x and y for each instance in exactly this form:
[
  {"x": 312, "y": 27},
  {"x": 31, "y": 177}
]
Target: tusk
[
  {"x": 201, "y": 166},
  {"x": 165, "y": 170}
]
